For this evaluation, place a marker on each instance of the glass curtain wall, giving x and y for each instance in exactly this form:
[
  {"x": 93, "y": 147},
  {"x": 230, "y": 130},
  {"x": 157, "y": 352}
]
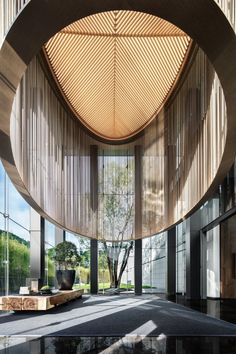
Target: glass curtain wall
[
  {"x": 82, "y": 279},
  {"x": 181, "y": 258},
  {"x": 14, "y": 237},
  {"x": 110, "y": 254},
  {"x": 50, "y": 269},
  {"x": 227, "y": 191},
  {"x": 228, "y": 258},
  {"x": 223, "y": 199},
  {"x": 116, "y": 206},
  {"x": 154, "y": 267},
  {"x": 213, "y": 262}
]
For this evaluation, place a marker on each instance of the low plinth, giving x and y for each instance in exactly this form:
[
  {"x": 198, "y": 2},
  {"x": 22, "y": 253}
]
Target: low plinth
[{"x": 37, "y": 303}]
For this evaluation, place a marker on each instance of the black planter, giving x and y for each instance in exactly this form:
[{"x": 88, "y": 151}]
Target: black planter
[{"x": 65, "y": 279}]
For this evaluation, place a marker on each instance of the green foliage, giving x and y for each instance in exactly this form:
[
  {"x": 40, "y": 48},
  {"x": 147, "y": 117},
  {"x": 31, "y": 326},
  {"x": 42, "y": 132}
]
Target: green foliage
[
  {"x": 85, "y": 258},
  {"x": 19, "y": 260},
  {"x": 83, "y": 274},
  {"x": 15, "y": 237},
  {"x": 66, "y": 255},
  {"x": 103, "y": 276},
  {"x": 117, "y": 184},
  {"x": 45, "y": 287},
  {"x": 102, "y": 260}
]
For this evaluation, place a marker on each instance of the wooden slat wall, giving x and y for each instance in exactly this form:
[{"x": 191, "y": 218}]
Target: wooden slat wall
[
  {"x": 124, "y": 65},
  {"x": 182, "y": 148}
]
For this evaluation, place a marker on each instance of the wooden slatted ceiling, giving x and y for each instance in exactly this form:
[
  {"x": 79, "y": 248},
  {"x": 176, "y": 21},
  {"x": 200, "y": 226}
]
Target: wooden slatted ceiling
[{"x": 117, "y": 68}]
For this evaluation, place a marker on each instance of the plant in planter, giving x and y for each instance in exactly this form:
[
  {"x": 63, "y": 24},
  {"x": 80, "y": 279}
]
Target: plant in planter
[
  {"x": 45, "y": 290},
  {"x": 66, "y": 258}
]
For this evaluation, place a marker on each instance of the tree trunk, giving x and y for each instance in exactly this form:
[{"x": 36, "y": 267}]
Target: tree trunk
[
  {"x": 115, "y": 278},
  {"x": 125, "y": 261}
]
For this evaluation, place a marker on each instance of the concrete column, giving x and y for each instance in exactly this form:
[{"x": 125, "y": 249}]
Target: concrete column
[
  {"x": 138, "y": 267},
  {"x": 171, "y": 262},
  {"x": 193, "y": 226},
  {"x": 94, "y": 177},
  {"x": 93, "y": 266},
  {"x": 138, "y": 191},
  {"x": 37, "y": 252},
  {"x": 138, "y": 221}
]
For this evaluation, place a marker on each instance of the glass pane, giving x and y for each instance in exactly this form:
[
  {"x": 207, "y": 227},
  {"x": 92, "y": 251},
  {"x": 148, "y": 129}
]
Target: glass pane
[
  {"x": 158, "y": 269},
  {"x": 2, "y": 181},
  {"x": 82, "y": 279},
  {"x": 19, "y": 256},
  {"x": 146, "y": 265},
  {"x": 116, "y": 265},
  {"x": 154, "y": 265},
  {"x": 213, "y": 262},
  {"x": 228, "y": 258},
  {"x": 18, "y": 209},
  {"x": 103, "y": 271},
  {"x": 127, "y": 280},
  {"x": 3, "y": 258},
  {"x": 50, "y": 270},
  {"x": 181, "y": 258},
  {"x": 115, "y": 195}
]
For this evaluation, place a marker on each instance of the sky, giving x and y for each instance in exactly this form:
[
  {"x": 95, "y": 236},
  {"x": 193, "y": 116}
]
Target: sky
[{"x": 16, "y": 207}]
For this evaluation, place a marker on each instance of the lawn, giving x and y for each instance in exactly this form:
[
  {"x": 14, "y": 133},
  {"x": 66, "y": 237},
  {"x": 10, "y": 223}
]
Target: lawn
[{"x": 102, "y": 286}]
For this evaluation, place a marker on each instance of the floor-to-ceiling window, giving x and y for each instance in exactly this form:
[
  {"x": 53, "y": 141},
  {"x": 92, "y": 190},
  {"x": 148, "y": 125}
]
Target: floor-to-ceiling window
[
  {"x": 228, "y": 257},
  {"x": 50, "y": 268},
  {"x": 154, "y": 265},
  {"x": 14, "y": 237},
  {"x": 213, "y": 262},
  {"x": 116, "y": 209},
  {"x": 116, "y": 261},
  {"x": 82, "y": 279},
  {"x": 181, "y": 258}
]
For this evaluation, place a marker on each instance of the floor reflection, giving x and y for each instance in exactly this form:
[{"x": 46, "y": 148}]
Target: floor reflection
[
  {"x": 115, "y": 345},
  {"x": 221, "y": 309}
]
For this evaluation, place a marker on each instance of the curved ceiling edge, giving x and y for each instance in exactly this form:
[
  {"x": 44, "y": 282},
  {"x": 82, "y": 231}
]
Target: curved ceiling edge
[
  {"x": 116, "y": 68},
  {"x": 22, "y": 44}
]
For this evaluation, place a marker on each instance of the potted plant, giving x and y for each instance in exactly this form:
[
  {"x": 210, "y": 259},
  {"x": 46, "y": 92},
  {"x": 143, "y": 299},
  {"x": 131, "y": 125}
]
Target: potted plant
[{"x": 66, "y": 258}]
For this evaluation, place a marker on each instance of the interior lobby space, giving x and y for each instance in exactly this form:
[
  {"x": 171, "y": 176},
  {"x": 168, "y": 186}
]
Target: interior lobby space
[{"x": 117, "y": 176}]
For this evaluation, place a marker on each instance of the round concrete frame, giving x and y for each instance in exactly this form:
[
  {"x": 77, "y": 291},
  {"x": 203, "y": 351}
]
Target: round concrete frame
[{"x": 202, "y": 20}]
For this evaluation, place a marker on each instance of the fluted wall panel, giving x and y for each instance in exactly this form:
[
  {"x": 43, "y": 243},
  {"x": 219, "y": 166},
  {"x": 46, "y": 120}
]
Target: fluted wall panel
[
  {"x": 229, "y": 9},
  {"x": 9, "y": 9},
  {"x": 183, "y": 148},
  {"x": 181, "y": 151},
  {"x": 52, "y": 153}
]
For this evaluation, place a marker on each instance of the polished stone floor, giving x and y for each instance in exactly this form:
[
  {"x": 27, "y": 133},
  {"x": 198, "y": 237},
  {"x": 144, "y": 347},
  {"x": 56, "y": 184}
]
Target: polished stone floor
[
  {"x": 118, "y": 345},
  {"x": 119, "y": 316},
  {"x": 221, "y": 309},
  {"x": 123, "y": 324}
]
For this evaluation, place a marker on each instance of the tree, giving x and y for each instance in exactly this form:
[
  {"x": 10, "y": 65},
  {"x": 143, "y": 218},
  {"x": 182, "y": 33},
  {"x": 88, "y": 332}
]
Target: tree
[
  {"x": 116, "y": 203},
  {"x": 66, "y": 255},
  {"x": 113, "y": 255},
  {"x": 19, "y": 259}
]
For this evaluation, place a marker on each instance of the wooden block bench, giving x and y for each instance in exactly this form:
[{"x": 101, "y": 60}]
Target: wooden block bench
[{"x": 37, "y": 303}]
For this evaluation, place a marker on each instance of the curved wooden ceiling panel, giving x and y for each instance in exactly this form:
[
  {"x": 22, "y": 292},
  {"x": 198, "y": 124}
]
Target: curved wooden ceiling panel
[{"x": 117, "y": 68}]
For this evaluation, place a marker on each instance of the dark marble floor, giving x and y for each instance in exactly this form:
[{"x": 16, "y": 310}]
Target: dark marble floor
[
  {"x": 118, "y": 345},
  {"x": 52, "y": 340},
  {"x": 221, "y": 309}
]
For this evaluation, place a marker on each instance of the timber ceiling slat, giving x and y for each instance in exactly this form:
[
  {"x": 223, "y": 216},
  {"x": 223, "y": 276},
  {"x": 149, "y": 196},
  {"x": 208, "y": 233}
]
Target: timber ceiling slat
[{"x": 117, "y": 68}]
